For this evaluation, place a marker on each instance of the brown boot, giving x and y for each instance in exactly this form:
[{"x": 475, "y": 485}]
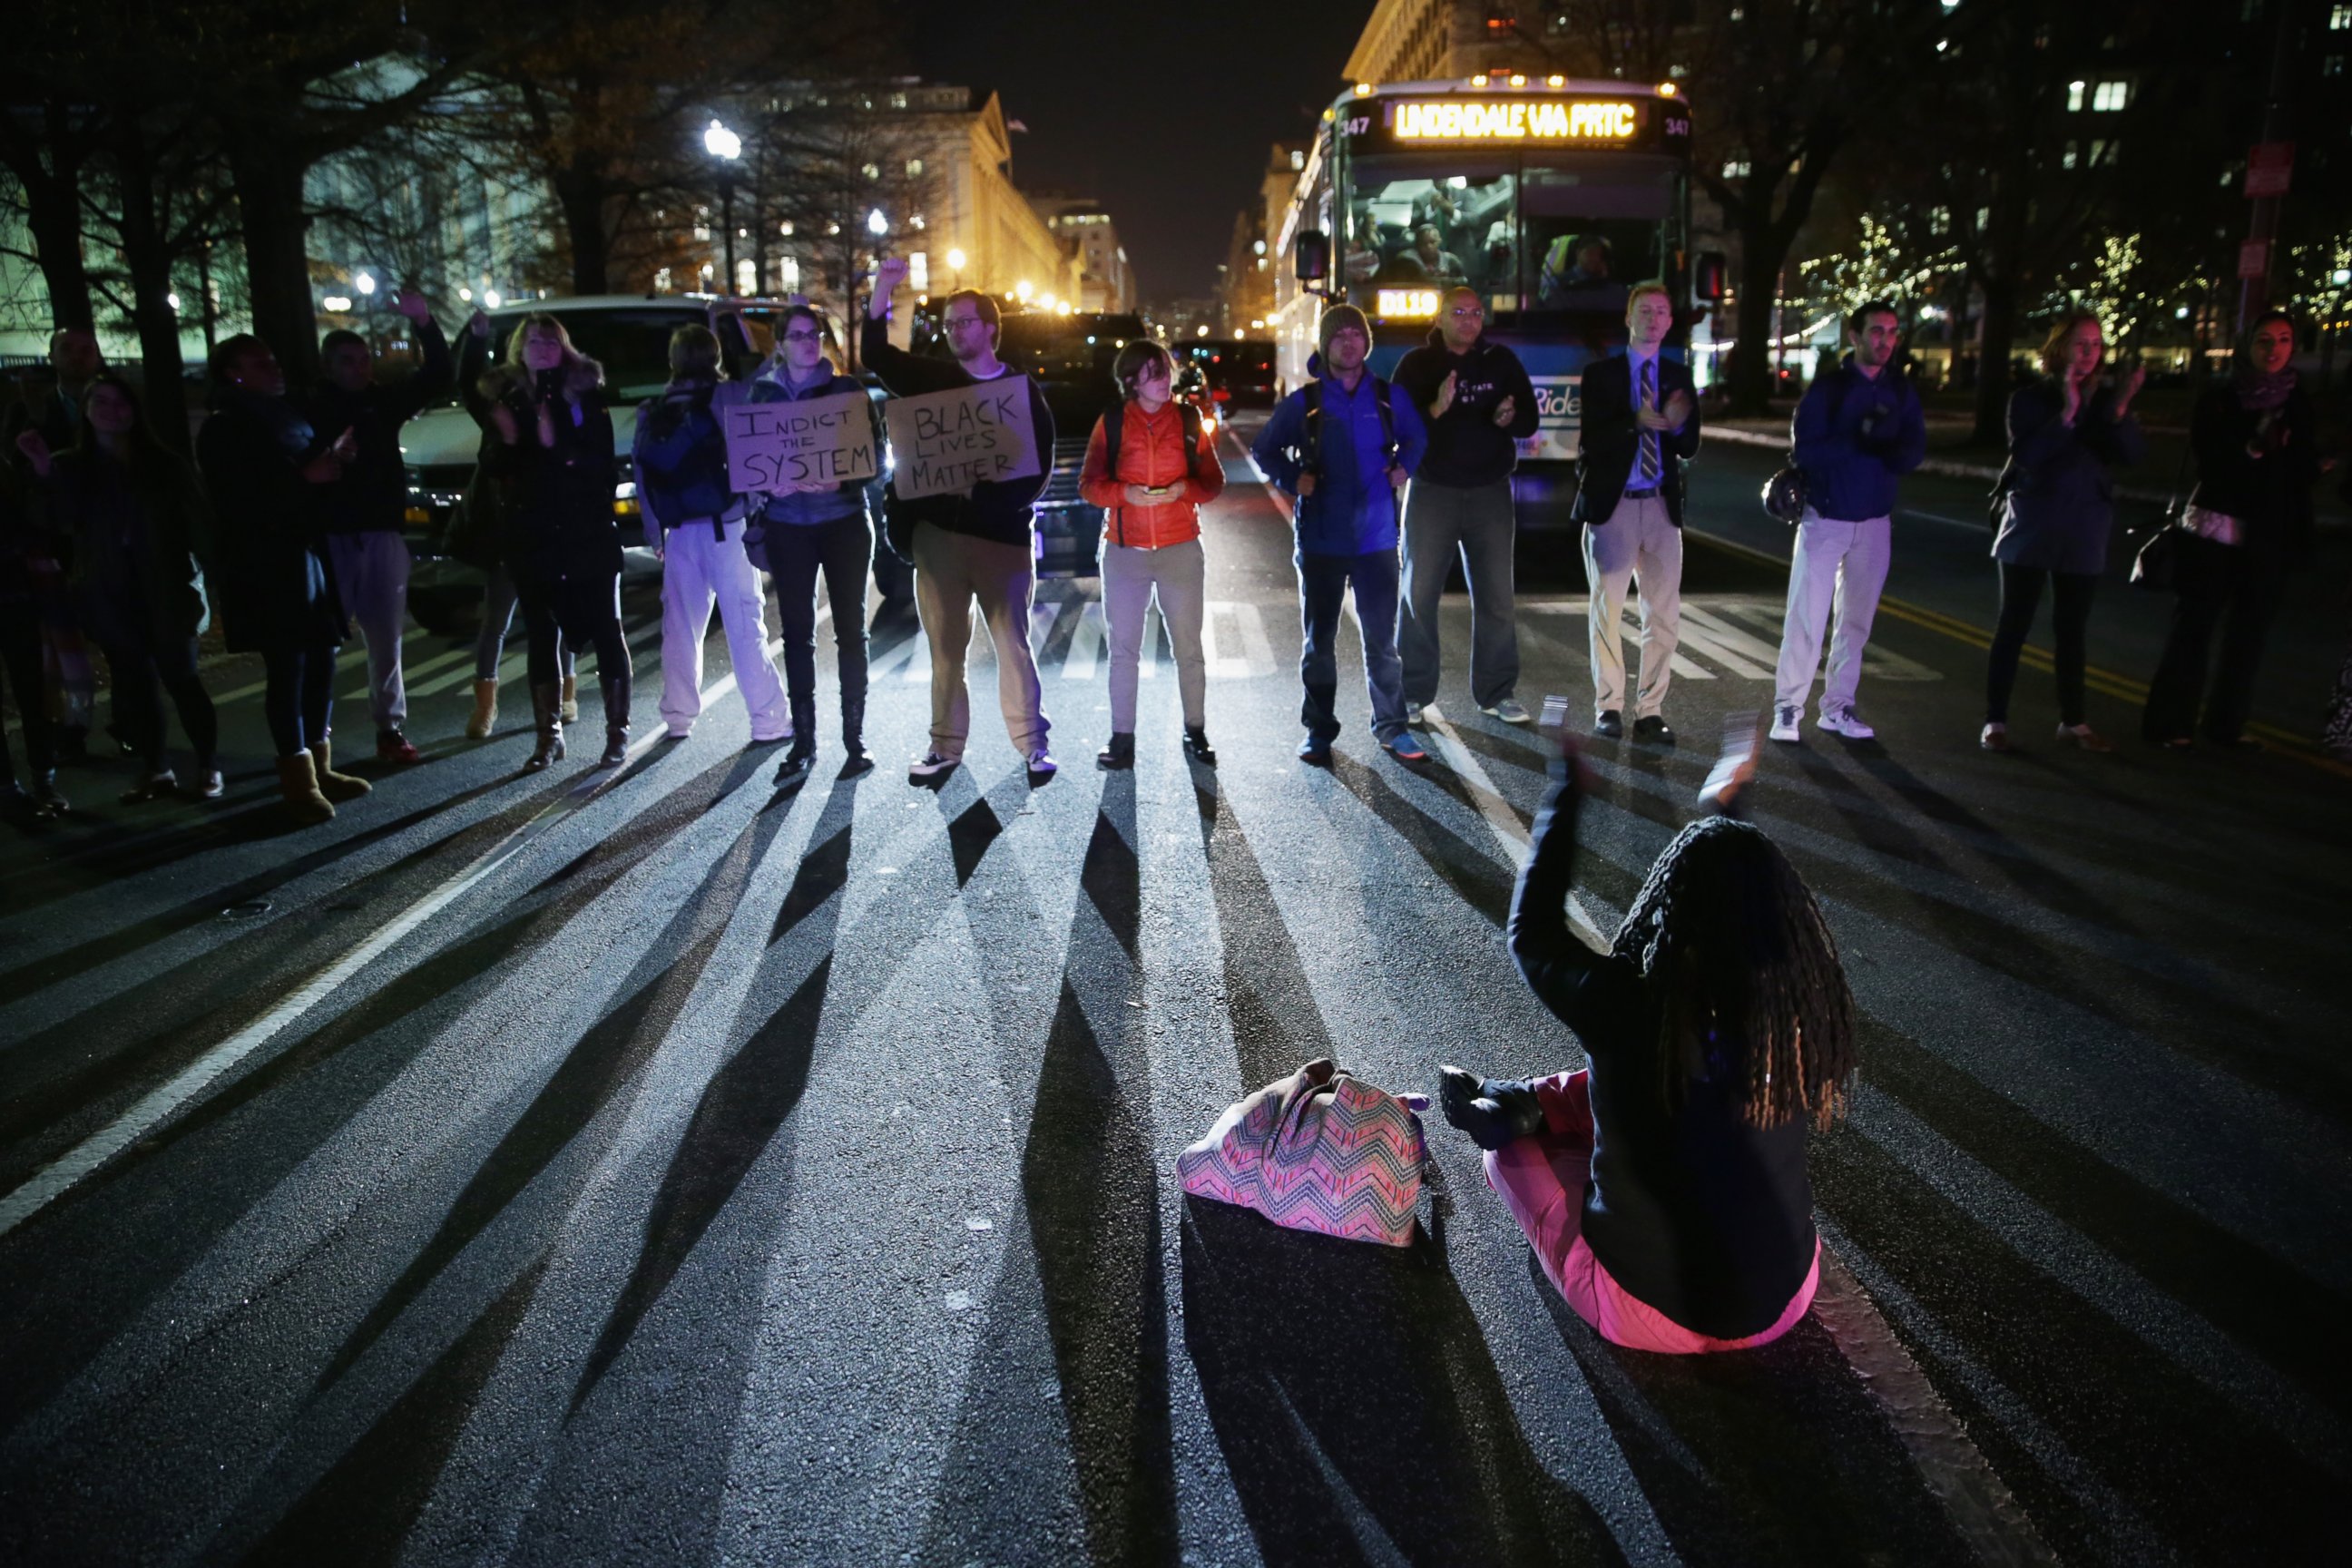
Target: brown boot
[
  {"x": 486, "y": 711},
  {"x": 547, "y": 713},
  {"x": 298, "y": 782},
  {"x": 570, "y": 711},
  {"x": 333, "y": 785}
]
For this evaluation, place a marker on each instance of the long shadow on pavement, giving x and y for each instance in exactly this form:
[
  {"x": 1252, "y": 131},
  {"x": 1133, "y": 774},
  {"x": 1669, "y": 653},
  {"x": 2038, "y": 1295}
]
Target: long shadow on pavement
[
  {"x": 1360, "y": 1415},
  {"x": 1268, "y": 998},
  {"x": 1771, "y": 1456}
]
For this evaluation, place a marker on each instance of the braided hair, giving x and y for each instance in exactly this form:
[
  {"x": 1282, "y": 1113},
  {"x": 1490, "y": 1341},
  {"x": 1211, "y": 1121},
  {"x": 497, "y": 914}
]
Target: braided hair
[{"x": 1742, "y": 976}]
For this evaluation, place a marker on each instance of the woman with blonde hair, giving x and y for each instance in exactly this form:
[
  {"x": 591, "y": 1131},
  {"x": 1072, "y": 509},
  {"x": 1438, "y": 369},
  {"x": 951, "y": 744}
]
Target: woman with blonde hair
[
  {"x": 553, "y": 461},
  {"x": 2067, "y": 434},
  {"x": 1151, "y": 466}
]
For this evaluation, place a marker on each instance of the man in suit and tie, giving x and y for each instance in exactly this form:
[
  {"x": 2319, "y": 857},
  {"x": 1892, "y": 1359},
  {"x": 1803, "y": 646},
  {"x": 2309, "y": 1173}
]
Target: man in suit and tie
[{"x": 1640, "y": 425}]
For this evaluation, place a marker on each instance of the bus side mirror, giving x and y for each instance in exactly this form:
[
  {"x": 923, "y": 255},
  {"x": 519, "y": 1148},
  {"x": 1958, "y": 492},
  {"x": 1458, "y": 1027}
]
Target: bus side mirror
[
  {"x": 1314, "y": 255},
  {"x": 1709, "y": 274}
]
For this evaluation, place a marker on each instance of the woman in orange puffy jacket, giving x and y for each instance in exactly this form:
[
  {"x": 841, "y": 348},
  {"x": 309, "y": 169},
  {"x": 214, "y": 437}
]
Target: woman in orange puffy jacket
[{"x": 1151, "y": 492}]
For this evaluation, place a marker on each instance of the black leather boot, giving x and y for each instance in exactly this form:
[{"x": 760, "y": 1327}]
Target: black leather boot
[
  {"x": 547, "y": 713},
  {"x": 1119, "y": 754},
  {"x": 1197, "y": 747},
  {"x": 616, "y": 720}
]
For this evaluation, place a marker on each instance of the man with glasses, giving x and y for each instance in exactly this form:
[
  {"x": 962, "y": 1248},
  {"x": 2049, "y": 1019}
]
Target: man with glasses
[
  {"x": 1639, "y": 424},
  {"x": 1480, "y": 406},
  {"x": 963, "y": 546}
]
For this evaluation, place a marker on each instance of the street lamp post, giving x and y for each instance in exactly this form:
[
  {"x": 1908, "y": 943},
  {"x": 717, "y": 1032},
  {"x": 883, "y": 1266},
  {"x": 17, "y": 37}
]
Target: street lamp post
[
  {"x": 726, "y": 147},
  {"x": 955, "y": 266}
]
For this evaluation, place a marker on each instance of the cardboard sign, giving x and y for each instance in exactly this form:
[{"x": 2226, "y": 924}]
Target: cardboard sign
[
  {"x": 946, "y": 442},
  {"x": 820, "y": 440}
]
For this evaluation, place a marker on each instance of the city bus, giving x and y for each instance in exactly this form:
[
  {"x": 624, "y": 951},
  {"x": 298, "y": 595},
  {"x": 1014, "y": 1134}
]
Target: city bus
[{"x": 1551, "y": 197}]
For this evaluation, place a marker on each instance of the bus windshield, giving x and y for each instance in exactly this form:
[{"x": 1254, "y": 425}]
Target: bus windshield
[{"x": 1546, "y": 233}]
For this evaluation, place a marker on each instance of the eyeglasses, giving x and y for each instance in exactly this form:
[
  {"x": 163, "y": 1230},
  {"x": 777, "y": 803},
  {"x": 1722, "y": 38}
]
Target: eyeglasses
[
  {"x": 957, "y": 323},
  {"x": 1468, "y": 312},
  {"x": 804, "y": 337}
]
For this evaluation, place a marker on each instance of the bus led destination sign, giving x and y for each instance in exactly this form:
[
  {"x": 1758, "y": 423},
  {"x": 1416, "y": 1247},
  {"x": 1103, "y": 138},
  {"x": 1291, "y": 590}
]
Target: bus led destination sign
[{"x": 1514, "y": 119}]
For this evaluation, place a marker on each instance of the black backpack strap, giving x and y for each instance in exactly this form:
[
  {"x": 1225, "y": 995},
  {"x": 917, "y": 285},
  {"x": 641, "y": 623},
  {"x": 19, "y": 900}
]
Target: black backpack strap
[
  {"x": 1191, "y": 417},
  {"x": 1388, "y": 421},
  {"x": 1114, "y": 426}
]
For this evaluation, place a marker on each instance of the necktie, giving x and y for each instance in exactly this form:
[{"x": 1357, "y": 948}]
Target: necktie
[{"x": 1651, "y": 467}]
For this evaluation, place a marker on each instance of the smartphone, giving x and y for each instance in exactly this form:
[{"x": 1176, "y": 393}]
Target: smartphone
[{"x": 1555, "y": 713}]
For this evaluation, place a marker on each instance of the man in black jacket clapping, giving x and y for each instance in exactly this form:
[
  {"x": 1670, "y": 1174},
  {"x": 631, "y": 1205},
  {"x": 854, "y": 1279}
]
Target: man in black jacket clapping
[{"x": 1480, "y": 406}]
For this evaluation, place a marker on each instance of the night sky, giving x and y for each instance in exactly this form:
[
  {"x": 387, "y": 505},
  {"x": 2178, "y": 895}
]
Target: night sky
[{"x": 1164, "y": 111}]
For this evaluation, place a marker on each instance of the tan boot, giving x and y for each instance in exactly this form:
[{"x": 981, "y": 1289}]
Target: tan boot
[
  {"x": 486, "y": 711},
  {"x": 333, "y": 785},
  {"x": 298, "y": 782},
  {"x": 570, "y": 711}
]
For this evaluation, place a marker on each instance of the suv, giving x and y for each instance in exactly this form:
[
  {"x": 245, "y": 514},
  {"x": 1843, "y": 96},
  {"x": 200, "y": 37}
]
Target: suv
[{"x": 629, "y": 336}]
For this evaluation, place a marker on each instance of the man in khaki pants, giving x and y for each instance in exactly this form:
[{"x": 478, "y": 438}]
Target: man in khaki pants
[
  {"x": 969, "y": 546},
  {"x": 1640, "y": 425}
]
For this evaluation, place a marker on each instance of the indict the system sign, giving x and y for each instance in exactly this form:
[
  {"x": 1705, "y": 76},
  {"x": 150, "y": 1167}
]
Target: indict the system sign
[
  {"x": 943, "y": 442},
  {"x": 820, "y": 440}
]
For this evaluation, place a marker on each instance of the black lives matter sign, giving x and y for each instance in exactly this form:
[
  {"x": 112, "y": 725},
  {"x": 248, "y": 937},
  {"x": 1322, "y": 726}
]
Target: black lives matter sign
[{"x": 944, "y": 443}]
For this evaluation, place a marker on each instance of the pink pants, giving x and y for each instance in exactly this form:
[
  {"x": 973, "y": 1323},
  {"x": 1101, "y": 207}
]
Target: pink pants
[{"x": 1542, "y": 1180}]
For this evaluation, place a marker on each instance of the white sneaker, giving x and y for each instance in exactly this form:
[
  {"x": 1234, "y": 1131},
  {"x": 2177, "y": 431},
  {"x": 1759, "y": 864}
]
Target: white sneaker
[
  {"x": 1846, "y": 722},
  {"x": 1784, "y": 723},
  {"x": 1509, "y": 712},
  {"x": 1042, "y": 764}
]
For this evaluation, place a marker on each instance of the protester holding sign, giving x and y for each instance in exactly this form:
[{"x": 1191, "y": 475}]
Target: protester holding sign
[
  {"x": 696, "y": 524},
  {"x": 970, "y": 537},
  {"x": 815, "y": 521}
]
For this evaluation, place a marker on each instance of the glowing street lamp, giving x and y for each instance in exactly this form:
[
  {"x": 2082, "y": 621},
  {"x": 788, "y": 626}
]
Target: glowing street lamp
[
  {"x": 365, "y": 283},
  {"x": 725, "y": 147},
  {"x": 876, "y": 223}
]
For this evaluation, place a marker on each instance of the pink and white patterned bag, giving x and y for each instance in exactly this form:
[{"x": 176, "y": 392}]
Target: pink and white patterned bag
[{"x": 1318, "y": 1151}]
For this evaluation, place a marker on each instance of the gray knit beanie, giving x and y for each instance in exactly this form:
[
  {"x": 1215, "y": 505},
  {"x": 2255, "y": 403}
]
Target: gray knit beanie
[{"x": 1334, "y": 319}]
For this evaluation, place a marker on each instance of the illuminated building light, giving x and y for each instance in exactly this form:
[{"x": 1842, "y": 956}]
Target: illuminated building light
[
  {"x": 1363, "y": 90},
  {"x": 1667, "y": 89}
]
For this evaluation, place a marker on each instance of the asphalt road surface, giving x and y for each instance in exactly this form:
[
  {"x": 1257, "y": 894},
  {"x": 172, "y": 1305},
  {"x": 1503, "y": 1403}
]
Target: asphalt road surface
[{"x": 651, "y": 1168}]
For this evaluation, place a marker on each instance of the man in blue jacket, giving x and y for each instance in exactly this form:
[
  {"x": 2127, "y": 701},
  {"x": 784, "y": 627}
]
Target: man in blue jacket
[
  {"x": 1342, "y": 447},
  {"x": 1858, "y": 429}
]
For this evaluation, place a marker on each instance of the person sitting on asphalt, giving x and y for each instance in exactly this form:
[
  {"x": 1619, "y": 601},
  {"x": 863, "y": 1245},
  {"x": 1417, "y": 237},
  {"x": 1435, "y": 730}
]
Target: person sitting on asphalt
[
  {"x": 1480, "y": 406},
  {"x": 1165, "y": 470},
  {"x": 361, "y": 512},
  {"x": 1641, "y": 425},
  {"x": 264, "y": 465},
  {"x": 695, "y": 523},
  {"x": 816, "y": 528},
  {"x": 978, "y": 545},
  {"x": 134, "y": 518},
  {"x": 1664, "y": 1186},
  {"x": 1857, "y": 429},
  {"x": 2067, "y": 432},
  {"x": 1343, "y": 447}
]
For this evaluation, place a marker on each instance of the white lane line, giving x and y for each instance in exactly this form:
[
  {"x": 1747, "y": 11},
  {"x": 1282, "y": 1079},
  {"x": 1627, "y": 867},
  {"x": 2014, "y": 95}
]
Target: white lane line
[
  {"x": 407, "y": 671},
  {"x": 1744, "y": 656},
  {"x": 55, "y": 1179},
  {"x": 1974, "y": 525},
  {"x": 1501, "y": 820}
]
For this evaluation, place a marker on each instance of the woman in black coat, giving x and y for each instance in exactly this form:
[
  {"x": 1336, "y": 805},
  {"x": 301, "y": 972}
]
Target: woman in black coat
[
  {"x": 135, "y": 518},
  {"x": 260, "y": 459},
  {"x": 553, "y": 461},
  {"x": 2247, "y": 525}
]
